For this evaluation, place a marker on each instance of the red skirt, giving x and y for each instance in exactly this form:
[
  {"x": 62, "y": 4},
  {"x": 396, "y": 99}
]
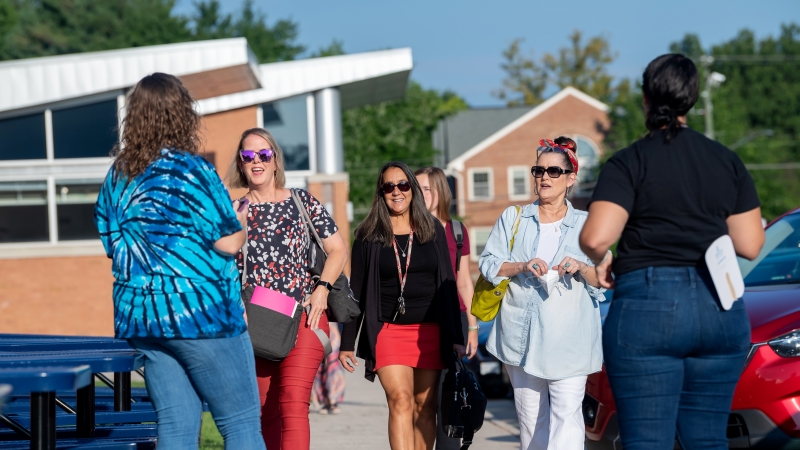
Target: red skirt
[{"x": 415, "y": 345}]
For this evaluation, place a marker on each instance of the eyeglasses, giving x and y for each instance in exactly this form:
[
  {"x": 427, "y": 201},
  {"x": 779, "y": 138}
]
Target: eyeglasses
[
  {"x": 264, "y": 155},
  {"x": 388, "y": 188},
  {"x": 552, "y": 172}
]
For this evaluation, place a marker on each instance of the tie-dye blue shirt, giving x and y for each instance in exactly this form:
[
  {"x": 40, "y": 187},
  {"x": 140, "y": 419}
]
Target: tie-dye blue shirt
[{"x": 159, "y": 228}]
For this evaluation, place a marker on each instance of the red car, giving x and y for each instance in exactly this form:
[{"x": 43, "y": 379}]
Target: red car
[{"x": 766, "y": 405}]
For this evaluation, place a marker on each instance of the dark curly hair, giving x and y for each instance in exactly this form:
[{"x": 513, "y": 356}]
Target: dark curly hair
[{"x": 159, "y": 113}]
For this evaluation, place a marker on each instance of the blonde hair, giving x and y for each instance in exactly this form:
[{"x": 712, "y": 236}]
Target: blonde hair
[
  {"x": 438, "y": 181},
  {"x": 235, "y": 176}
]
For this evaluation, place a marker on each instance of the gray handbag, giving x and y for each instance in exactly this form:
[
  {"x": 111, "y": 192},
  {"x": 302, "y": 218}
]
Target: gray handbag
[
  {"x": 273, "y": 334},
  {"x": 342, "y": 304}
]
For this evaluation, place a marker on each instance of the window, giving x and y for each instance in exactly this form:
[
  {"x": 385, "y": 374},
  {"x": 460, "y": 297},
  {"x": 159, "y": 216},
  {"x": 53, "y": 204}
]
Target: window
[
  {"x": 481, "y": 184},
  {"x": 88, "y": 131},
  {"x": 75, "y": 201},
  {"x": 23, "y": 211},
  {"x": 518, "y": 183},
  {"x": 287, "y": 120},
  {"x": 23, "y": 138},
  {"x": 477, "y": 239},
  {"x": 588, "y": 158}
]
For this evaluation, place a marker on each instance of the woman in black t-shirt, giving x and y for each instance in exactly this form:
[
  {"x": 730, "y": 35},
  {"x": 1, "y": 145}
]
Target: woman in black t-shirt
[
  {"x": 401, "y": 271},
  {"x": 672, "y": 353}
]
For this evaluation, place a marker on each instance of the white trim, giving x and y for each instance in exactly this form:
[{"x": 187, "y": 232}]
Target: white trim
[
  {"x": 471, "y": 188},
  {"x": 52, "y": 211},
  {"x": 26, "y": 250},
  {"x": 260, "y": 116},
  {"x": 311, "y": 120},
  {"x": 48, "y": 136},
  {"x": 473, "y": 241},
  {"x": 458, "y": 163},
  {"x": 527, "y": 179}
]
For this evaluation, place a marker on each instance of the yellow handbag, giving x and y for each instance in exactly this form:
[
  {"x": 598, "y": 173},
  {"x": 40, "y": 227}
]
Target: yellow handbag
[{"x": 487, "y": 297}]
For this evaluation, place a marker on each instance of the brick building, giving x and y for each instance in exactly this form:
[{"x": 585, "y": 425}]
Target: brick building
[
  {"x": 58, "y": 122},
  {"x": 488, "y": 154}
]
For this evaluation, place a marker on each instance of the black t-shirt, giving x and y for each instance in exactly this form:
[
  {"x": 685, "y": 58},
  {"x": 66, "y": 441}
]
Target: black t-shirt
[
  {"x": 678, "y": 196},
  {"x": 420, "y": 289}
]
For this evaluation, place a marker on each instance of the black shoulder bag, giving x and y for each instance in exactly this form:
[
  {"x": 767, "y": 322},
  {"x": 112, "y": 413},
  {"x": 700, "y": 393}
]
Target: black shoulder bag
[
  {"x": 342, "y": 304},
  {"x": 463, "y": 404}
]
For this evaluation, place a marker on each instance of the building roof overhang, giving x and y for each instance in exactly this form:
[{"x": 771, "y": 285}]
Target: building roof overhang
[
  {"x": 362, "y": 79},
  {"x": 228, "y": 63}
]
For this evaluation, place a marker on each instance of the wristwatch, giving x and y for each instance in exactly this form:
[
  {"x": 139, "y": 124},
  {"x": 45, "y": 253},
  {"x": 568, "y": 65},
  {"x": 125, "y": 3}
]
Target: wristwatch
[{"x": 327, "y": 285}]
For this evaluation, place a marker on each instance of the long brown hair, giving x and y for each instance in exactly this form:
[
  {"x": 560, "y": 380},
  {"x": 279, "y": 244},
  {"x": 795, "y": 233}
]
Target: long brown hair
[
  {"x": 377, "y": 226},
  {"x": 438, "y": 182},
  {"x": 235, "y": 176},
  {"x": 160, "y": 114}
]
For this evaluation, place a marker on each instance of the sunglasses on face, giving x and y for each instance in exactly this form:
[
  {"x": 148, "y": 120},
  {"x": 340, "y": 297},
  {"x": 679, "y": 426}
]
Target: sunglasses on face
[
  {"x": 264, "y": 155},
  {"x": 388, "y": 188},
  {"x": 552, "y": 172}
]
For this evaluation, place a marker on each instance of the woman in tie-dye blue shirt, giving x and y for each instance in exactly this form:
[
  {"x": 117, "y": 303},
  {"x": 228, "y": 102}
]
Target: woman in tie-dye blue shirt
[{"x": 169, "y": 226}]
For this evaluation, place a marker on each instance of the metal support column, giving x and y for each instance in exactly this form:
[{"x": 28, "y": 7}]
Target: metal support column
[
  {"x": 122, "y": 391},
  {"x": 85, "y": 420},
  {"x": 330, "y": 151},
  {"x": 43, "y": 420}
]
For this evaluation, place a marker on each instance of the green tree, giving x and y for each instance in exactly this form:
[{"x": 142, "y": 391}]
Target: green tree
[
  {"x": 398, "y": 130},
  {"x": 580, "y": 65}
]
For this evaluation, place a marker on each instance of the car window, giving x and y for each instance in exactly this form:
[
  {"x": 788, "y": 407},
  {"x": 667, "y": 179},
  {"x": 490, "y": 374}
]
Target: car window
[{"x": 779, "y": 260}]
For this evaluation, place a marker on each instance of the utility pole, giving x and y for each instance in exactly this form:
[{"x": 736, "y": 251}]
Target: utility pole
[{"x": 713, "y": 80}]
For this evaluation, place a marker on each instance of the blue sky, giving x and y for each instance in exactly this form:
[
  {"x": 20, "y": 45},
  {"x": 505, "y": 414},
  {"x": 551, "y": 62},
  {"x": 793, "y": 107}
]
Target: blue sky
[{"x": 457, "y": 45}]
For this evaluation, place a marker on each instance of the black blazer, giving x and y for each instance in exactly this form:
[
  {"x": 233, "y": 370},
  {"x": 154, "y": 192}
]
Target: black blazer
[{"x": 365, "y": 282}]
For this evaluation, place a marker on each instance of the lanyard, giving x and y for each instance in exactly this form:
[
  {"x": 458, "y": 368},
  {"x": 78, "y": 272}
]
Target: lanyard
[{"x": 401, "y": 302}]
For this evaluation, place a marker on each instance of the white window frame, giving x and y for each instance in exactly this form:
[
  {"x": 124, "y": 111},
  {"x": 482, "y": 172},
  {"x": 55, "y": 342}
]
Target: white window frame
[
  {"x": 471, "y": 191},
  {"x": 527, "y": 180},
  {"x": 473, "y": 241}
]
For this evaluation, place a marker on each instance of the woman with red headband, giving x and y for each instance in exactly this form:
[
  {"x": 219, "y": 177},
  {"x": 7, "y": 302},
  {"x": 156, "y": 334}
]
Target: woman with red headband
[{"x": 547, "y": 332}]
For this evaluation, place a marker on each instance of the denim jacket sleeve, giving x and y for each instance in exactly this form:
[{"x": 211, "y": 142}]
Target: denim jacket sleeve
[{"x": 496, "y": 251}]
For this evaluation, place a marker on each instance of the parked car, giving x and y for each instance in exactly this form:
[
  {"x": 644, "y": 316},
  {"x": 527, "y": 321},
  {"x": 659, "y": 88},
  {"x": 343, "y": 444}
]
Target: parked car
[{"x": 766, "y": 404}]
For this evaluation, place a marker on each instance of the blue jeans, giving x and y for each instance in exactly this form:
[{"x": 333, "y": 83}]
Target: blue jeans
[
  {"x": 673, "y": 357},
  {"x": 181, "y": 373}
]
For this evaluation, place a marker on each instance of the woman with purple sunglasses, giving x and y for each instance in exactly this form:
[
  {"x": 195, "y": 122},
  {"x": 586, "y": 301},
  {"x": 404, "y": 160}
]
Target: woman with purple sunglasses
[{"x": 277, "y": 259}]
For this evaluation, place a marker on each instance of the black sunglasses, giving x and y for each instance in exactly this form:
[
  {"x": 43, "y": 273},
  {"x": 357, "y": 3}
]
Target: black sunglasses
[
  {"x": 388, "y": 188},
  {"x": 552, "y": 172}
]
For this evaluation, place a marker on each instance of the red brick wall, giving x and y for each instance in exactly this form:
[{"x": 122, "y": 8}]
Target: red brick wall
[{"x": 69, "y": 296}]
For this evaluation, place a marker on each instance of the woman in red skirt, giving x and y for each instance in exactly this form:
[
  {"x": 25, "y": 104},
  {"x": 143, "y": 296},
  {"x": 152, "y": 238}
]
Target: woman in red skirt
[{"x": 411, "y": 328}]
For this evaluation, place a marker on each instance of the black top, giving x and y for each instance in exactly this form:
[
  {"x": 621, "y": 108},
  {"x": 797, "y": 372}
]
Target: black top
[
  {"x": 365, "y": 280},
  {"x": 420, "y": 289},
  {"x": 678, "y": 196}
]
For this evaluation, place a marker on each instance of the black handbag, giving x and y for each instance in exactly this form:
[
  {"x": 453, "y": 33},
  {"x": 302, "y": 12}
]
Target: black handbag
[
  {"x": 272, "y": 334},
  {"x": 342, "y": 304},
  {"x": 463, "y": 404}
]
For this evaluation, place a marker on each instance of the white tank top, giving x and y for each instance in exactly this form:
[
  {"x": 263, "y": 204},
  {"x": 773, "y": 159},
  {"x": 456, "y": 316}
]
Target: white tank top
[{"x": 549, "y": 237}]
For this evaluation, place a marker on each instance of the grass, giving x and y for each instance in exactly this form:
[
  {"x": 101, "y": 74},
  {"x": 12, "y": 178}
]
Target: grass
[{"x": 210, "y": 439}]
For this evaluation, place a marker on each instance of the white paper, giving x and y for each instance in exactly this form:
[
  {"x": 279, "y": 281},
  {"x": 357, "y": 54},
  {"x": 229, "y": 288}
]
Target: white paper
[
  {"x": 725, "y": 273},
  {"x": 549, "y": 280}
]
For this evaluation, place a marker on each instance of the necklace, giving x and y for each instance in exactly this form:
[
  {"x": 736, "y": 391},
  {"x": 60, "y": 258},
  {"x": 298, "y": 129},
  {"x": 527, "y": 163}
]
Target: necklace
[{"x": 403, "y": 250}]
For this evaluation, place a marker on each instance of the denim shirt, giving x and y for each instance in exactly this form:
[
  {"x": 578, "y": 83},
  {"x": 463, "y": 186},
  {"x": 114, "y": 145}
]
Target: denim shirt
[{"x": 553, "y": 336}]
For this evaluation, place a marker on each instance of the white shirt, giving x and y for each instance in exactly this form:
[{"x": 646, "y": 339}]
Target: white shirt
[{"x": 548, "y": 242}]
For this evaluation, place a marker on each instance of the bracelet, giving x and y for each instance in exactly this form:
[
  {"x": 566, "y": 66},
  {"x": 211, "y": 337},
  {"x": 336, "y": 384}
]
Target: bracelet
[{"x": 474, "y": 328}]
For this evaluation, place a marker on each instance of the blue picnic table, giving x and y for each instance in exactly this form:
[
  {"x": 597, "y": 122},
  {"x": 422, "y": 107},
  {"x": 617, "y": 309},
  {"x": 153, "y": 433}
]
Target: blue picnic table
[{"x": 41, "y": 381}]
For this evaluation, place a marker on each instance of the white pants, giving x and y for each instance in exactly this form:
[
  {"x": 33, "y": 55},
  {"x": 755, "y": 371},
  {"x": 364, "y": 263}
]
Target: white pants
[{"x": 550, "y": 412}]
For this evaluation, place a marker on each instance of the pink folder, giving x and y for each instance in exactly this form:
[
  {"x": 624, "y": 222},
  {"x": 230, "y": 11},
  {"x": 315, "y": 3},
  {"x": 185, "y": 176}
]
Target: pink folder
[{"x": 274, "y": 300}]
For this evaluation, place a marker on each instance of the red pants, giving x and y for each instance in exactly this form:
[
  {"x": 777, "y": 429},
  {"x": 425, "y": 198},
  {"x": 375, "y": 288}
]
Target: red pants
[{"x": 285, "y": 391}]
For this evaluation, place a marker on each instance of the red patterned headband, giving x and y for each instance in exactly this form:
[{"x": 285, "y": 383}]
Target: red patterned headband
[{"x": 547, "y": 145}]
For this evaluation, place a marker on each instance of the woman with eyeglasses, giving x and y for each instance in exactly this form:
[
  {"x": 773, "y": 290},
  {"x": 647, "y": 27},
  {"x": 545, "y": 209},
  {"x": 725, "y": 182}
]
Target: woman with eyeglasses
[
  {"x": 277, "y": 259},
  {"x": 167, "y": 222},
  {"x": 547, "y": 332},
  {"x": 411, "y": 328}
]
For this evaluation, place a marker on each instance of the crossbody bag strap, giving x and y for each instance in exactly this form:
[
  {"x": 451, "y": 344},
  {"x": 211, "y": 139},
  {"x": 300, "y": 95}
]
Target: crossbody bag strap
[
  {"x": 244, "y": 249},
  {"x": 458, "y": 235},
  {"x": 516, "y": 227},
  {"x": 301, "y": 206}
]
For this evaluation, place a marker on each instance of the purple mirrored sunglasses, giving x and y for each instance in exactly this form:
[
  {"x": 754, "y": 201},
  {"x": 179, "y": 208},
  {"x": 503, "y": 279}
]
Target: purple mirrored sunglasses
[{"x": 264, "y": 155}]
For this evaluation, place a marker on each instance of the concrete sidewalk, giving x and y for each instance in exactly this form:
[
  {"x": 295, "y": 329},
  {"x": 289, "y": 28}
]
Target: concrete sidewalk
[{"x": 363, "y": 422}]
